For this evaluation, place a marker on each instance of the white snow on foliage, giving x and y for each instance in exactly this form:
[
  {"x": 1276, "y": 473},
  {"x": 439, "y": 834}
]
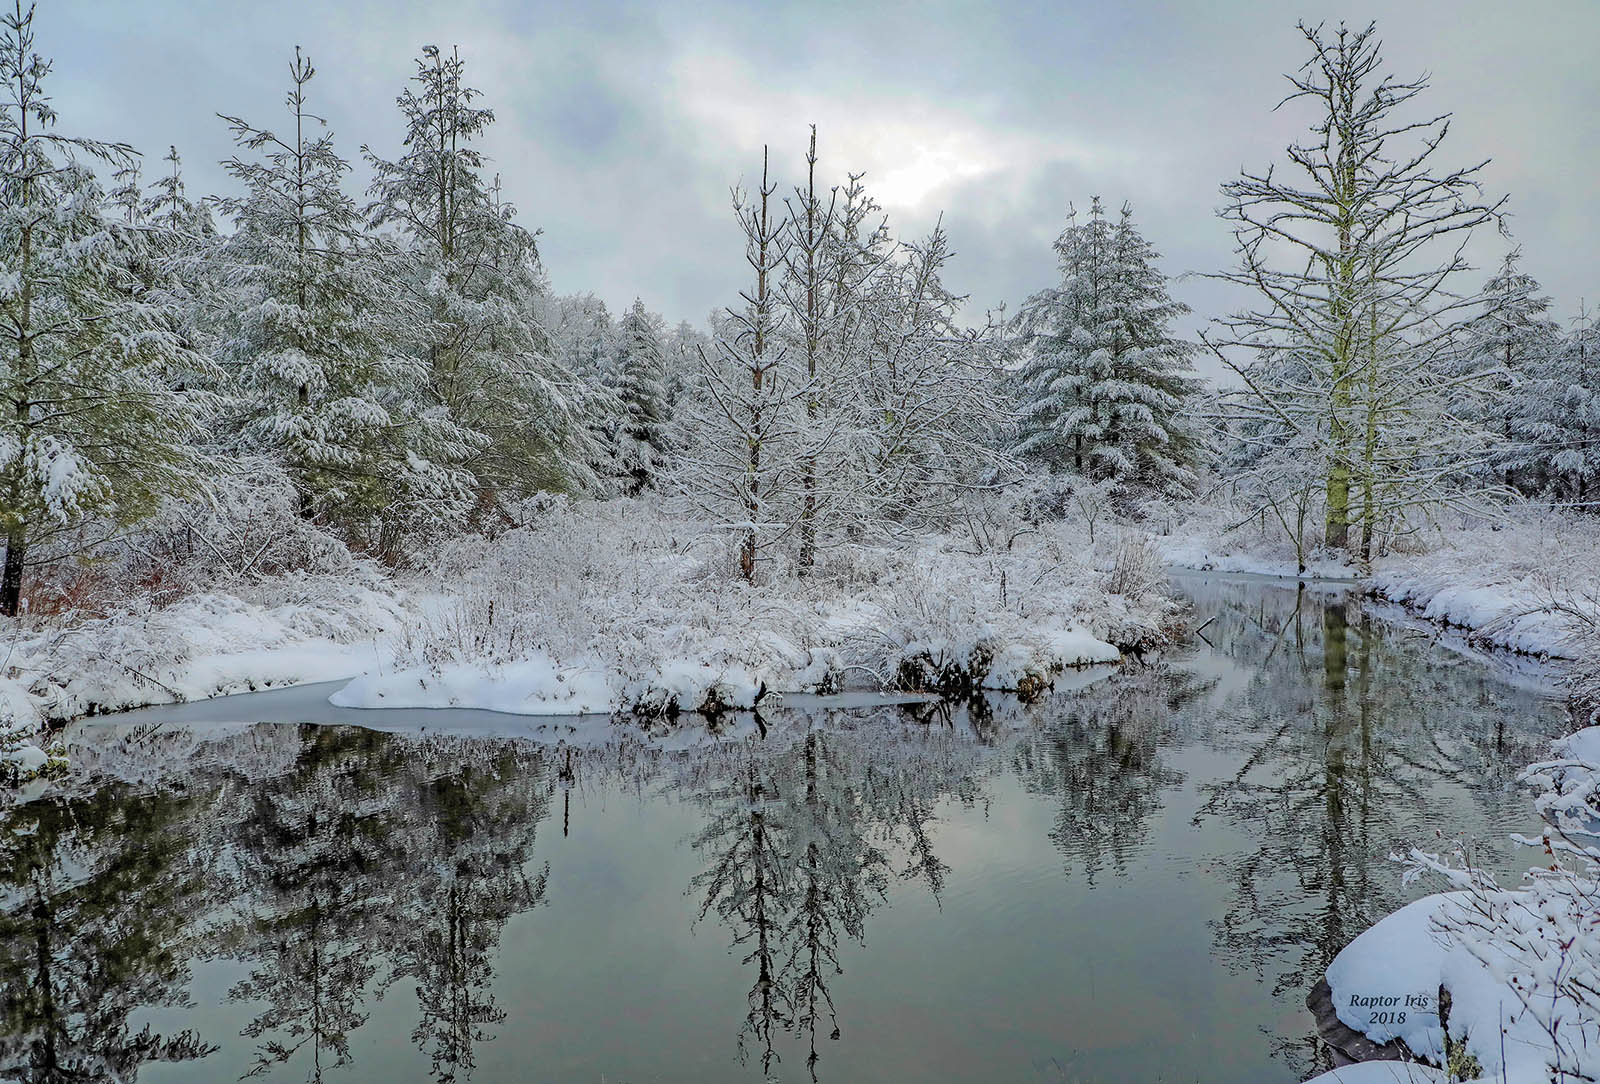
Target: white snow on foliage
[
  {"x": 641, "y": 616},
  {"x": 603, "y": 608},
  {"x": 1521, "y": 964},
  {"x": 1528, "y": 582}
]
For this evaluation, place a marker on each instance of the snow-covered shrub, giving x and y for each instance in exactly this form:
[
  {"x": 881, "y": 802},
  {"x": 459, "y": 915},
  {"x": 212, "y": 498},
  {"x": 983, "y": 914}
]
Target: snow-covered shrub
[
  {"x": 1137, "y": 570},
  {"x": 247, "y": 530},
  {"x": 617, "y": 606},
  {"x": 1522, "y": 964}
]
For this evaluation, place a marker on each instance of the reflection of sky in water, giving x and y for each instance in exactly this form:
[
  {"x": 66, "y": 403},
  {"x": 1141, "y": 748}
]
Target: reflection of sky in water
[{"x": 1138, "y": 879}]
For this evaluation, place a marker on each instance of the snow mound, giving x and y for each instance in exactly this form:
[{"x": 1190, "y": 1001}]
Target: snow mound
[
  {"x": 1383, "y": 1072},
  {"x": 535, "y": 686}
]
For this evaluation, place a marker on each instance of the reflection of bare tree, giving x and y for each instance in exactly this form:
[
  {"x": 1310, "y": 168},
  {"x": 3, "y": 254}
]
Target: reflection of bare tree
[
  {"x": 1341, "y": 741},
  {"x": 804, "y": 828},
  {"x": 748, "y": 888},
  {"x": 841, "y": 875},
  {"x": 95, "y": 899}
]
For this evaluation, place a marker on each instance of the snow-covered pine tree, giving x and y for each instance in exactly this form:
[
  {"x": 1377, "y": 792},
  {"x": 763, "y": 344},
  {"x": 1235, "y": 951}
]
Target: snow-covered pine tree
[
  {"x": 583, "y": 341},
  {"x": 126, "y": 194},
  {"x": 89, "y": 428},
  {"x": 1104, "y": 381},
  {"x": 1555, "y": 413},
  {"x": 642, "y": 445},
  {"x": 477, "y": 282},
  {"x": 1511, "y": 350},
  {"x": 169, "y": 206},
  {"x": 312, "y": 331},
  {"x": 680, "y": 350},
  {"x": 741, "y": 469}
]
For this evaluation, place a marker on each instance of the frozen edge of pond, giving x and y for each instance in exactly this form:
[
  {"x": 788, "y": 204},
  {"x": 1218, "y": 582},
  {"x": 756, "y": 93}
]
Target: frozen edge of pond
[{"x": 310, "y": 703}]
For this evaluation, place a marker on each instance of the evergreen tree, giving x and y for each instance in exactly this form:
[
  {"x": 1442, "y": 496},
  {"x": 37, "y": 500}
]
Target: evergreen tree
[
  {"x": 127, "y": 195},
  {"x": 1511, "y": 352},
  {"x": 1556, "y": 415},
  {"x": 89, "y": 427},
  {"x": 169, "y": 206},
  {"x": 477, "y": 282},
  {"x": 642, "y": 443},
  {"x": 1104, "y": 383},
  {"x": 312, "y": 332}
]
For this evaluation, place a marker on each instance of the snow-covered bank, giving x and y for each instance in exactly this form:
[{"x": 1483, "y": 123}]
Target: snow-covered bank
[
  {"x": 1528, "y": 584},
  {"x": 611, "y": 608},
  {"x": 1502, "y": 982},
  {"x": 1383, "y": 1072},
  {"x": 284, "y": 630},
  {"x": 639, "y": 616}
]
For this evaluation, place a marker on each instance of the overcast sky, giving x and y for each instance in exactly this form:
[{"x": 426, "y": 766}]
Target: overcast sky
[{"x": 621, "y": 126}]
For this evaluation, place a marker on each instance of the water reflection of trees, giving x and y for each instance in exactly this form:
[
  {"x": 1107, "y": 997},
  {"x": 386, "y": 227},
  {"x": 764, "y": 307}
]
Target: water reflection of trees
[
  {"x": 94, "y": 895},
  {"x": 1346, "y": 732},
  {"x": 331, "y": 865},
  {"x": 336, "y": 866},
  {"x": 1098, "y": 756},
  {"x": 804, "y": 831}
]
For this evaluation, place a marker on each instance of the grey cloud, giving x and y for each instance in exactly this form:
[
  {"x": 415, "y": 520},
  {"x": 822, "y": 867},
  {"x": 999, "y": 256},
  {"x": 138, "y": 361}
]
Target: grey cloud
[{"x": 1157, "y": 102}]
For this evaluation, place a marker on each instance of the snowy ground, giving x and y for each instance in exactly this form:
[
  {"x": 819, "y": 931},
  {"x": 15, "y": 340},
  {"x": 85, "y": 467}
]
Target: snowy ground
[
  {"x": 608, "y": 608},
  {"x": 282, "y": 631},
  {"x": 1521, "y": 963}
]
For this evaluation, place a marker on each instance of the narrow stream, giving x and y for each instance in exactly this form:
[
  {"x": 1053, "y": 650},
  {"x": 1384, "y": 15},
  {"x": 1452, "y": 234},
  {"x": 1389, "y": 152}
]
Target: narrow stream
[{"x": 1135, "y": 880}]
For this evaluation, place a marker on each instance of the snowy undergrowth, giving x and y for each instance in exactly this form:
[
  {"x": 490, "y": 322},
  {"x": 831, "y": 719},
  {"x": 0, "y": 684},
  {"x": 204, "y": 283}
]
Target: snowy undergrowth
[
  {"x": 1530, "y": 584},
  {"x": 1515, "y": 970},
  {"x": 617, "y": 607}
]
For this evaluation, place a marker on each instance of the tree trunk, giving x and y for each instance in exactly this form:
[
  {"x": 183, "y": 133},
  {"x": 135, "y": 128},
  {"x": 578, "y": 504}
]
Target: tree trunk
[
  {"x": 11, "y": 583},
  {"x": 1369, "y": 450}
]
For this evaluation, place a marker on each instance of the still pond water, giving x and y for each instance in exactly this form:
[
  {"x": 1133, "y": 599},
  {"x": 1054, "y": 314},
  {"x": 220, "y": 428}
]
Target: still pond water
[{"x": 1136, "y": 880}]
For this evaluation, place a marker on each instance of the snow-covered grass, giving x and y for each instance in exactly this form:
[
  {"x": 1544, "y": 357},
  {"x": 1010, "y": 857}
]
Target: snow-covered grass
[
  {"x": 1520, "y": 965},
  {"x": 284, "y": 630},
  {"x": 618, "y": 607},
  {"x": 234, "y": 593}
]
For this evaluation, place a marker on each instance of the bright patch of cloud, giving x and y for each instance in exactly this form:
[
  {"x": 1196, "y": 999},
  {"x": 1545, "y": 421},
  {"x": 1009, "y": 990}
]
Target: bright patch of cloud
[{"x": 913, "y": 152}]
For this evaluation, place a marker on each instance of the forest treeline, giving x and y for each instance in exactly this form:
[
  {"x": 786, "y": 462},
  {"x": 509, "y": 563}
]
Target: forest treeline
[{"x": 394, "y": 366}]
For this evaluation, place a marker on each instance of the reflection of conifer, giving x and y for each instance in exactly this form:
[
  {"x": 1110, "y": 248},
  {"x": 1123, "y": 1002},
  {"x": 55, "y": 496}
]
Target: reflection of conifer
[
  {"x": 473, "y": 829},
  {"x": 96, "y": 900},
  {"x": 313, "y": 862}
]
